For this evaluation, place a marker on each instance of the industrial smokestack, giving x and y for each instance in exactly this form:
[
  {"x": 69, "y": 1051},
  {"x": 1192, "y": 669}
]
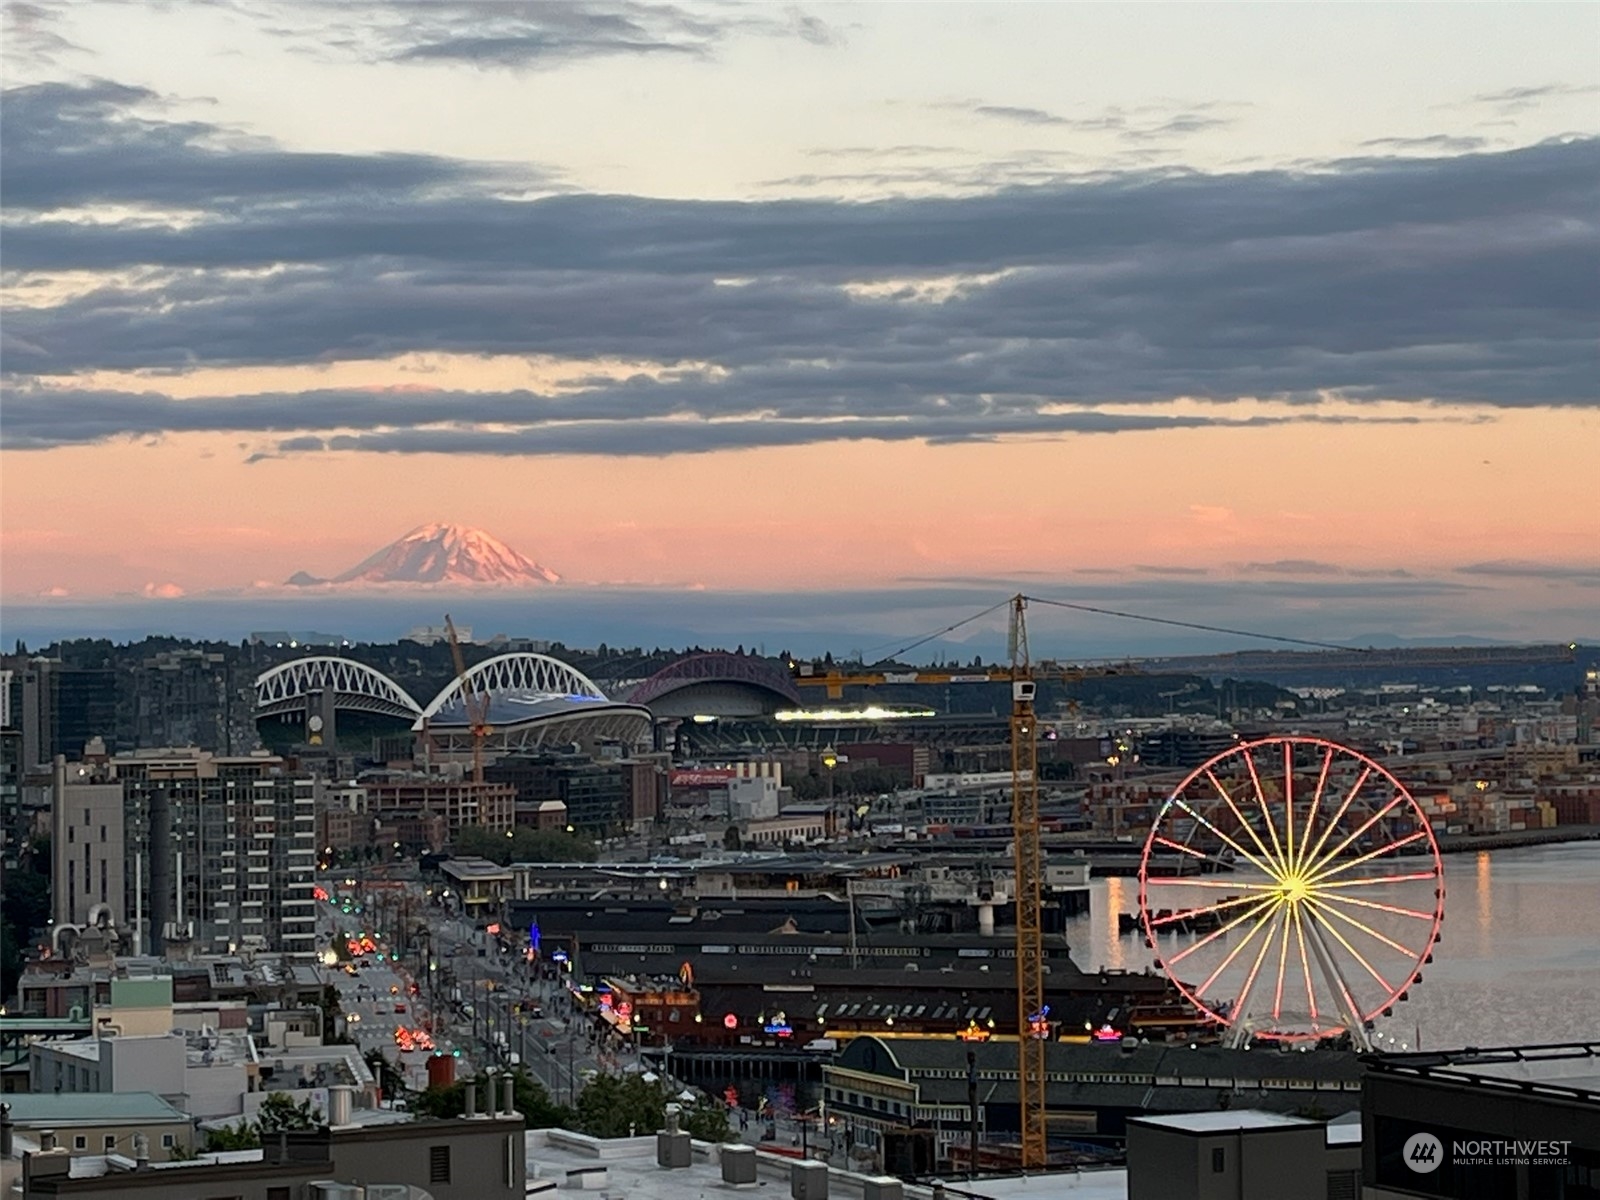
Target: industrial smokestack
[
  {"x": 490, "y": 1098},
  {"x": 471, "y": 1096},
  {"x": 508, "y": 1096},
  {"x": 47, "y": 1139}
]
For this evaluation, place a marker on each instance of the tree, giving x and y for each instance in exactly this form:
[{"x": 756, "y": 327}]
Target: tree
[
  {"x": 524, "y": 845},
  {"x": 26, "y": 908},
  {"x": 243, "y": 1136},
  {"x": 708, "y": 1121},
  {"x": 621, "y": 1106},
  {"x": 279, "y": 1112}
]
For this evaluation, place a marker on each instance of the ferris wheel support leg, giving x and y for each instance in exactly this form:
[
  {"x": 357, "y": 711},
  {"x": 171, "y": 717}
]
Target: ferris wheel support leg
[{"x": 1337, "y": 985}]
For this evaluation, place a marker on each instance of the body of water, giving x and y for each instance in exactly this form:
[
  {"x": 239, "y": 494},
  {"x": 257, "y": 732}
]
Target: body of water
[{"x": 1519, "y": 962}]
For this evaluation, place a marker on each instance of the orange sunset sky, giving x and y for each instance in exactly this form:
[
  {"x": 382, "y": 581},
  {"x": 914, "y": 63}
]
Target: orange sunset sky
[{"x": 763, "y": 300}]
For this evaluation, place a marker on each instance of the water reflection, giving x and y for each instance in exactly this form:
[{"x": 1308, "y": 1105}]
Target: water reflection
[
  {"x": 1116, "y": 902},
  {"x": 1485, "y": 892}
]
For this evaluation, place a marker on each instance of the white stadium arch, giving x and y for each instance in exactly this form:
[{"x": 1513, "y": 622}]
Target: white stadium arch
[{"x": 286, "y": 687}]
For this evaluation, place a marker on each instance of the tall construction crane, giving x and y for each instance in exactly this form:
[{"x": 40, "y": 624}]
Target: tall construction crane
[
  {"x": 476, "y": 704},
  {"x": 1033, "y": 1015}
]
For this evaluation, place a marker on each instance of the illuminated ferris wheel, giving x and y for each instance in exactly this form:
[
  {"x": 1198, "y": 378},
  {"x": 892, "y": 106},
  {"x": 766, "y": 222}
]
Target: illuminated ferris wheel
[{"x": 1291, "y": 889}]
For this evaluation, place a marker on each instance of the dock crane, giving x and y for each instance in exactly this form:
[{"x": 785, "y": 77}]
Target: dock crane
[{"x": 476, "y": 705}]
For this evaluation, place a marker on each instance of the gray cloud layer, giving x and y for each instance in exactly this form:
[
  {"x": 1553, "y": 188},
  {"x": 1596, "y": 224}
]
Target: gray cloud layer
[
  {"x": 1468, "y": 279},
  {"x": 525, "y": 34}
]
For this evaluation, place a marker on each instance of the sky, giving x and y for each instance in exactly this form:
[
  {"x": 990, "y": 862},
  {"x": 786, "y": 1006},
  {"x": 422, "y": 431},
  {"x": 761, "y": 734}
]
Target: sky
[{"x": 1284, "y": 312}]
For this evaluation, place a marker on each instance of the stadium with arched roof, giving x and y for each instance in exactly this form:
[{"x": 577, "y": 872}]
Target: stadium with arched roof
[
  {"x": 532, "y": 702},
  {"x": 718, "y": 685}
]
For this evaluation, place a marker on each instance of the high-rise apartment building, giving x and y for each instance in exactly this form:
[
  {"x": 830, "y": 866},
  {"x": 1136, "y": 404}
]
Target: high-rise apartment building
[{"x": 218, "y": 852}]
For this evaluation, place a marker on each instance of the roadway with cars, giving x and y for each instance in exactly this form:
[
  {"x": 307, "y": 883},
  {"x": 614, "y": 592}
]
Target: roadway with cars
[
  {"x": 490, "y": 1006},
  {"x": 375, "y": 998}
]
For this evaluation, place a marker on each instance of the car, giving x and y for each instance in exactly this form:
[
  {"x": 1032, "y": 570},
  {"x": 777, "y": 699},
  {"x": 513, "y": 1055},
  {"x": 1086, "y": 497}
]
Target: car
[
  {"x": 399, "y": 1008},
  {"x": 381, "y": 1009}
]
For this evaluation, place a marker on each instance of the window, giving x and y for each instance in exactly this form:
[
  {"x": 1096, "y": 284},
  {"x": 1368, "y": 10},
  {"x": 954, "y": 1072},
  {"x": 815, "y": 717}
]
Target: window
[
  {"x": 277, "y": 1193},
  {"x": 111, "y": 1142},
  {"x": 1218, "y": 1161},
  {"x": 80, "y": 1142},
  {"x": 168, "y": 1141},
  {"x": 438, "y": 1164}
]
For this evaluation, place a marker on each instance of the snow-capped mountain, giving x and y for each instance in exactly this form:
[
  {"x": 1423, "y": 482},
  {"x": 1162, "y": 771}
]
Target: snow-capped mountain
[{"x": 440, "y": 553}]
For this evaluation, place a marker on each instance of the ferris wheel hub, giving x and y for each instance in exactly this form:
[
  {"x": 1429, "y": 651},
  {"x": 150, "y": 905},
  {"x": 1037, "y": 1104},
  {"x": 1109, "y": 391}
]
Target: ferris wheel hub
[{"x": 1295, "y": 887}]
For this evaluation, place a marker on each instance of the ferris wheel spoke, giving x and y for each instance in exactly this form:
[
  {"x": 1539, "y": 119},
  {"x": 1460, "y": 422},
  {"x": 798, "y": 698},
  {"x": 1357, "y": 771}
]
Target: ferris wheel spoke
[
  {"x": 1288, "y": 803},
  {"x": 1185, "y": 914},
  {"x": 1323, "y": 924},
  {"x": 1179, "y": 881},
  {"x": 1229, "y": 842},
  {"x": 1305, "y": 960},
  {"x": 1215, "y": 859},
  {"x": 1316, "y": 868},
  {"x": 1261, "y": 905},
  {"x": 1396, "y": 909},
  {"x": 1376, "y": 880},
  {"x": 1273, "y": 922},
  {"x": 1266, "y": 813},
  {"x": 1316, "y": 803},
  {"x": 1367, "y": 857},
  {"x": 1237, "y": 950},
  {"x": 1239, "y": 816},
  {"x": 1362, "y": 926},
  {"x": 1360, "y": 783},
  {"x": 1283, "y": 959}
]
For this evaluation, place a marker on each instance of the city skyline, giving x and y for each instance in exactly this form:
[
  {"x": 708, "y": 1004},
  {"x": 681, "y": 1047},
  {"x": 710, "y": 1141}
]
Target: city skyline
[{"x": 1285, "y": 312}]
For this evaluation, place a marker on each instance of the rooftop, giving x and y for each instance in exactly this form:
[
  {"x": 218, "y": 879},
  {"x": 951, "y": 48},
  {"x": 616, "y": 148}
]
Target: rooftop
[
  {"x": 1227, "y": 1121},
  {"x": 474, "y": 868},
  {"x": 1568, "y": 1070},
  {"x": 90, "y": 1108},
  {"x": 631, "y": 1171}
]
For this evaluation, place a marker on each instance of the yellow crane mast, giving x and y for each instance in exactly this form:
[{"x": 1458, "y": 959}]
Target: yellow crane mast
[{"x": 1033, "y": 1016}]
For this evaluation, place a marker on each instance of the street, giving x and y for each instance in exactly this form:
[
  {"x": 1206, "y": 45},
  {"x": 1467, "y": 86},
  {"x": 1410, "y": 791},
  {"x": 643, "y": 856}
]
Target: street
[{"x": 495, "y": 1008}]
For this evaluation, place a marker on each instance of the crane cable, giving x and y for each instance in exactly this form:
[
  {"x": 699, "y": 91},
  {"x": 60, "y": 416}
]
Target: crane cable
[
  {"x": 978, "y": 616},
  {"x": 1268, "y": 637}
]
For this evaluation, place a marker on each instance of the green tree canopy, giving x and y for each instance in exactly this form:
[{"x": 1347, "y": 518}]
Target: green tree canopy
[
  {"x": 708, "y": 1121},
  {"x": 242, "y": 1136},
  {"x": 620, "y": 1105},
  {"x": 524, "y": 845},
  {"x": 279, "y": 1112}
]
